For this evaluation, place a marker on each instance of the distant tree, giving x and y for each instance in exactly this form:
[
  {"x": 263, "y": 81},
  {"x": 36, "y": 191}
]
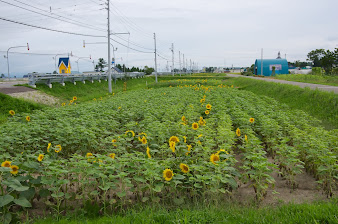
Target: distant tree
[
  {"x": 252, "y": 68},
  {"x": 2, "y": 76},
  {"x": 100, "y": 65},
  {"x": 325, "y": 59},
  {"x": 148, "y": 70},
  {"x": 210, "y": 69},
  {"x": 55, "y": 72}
]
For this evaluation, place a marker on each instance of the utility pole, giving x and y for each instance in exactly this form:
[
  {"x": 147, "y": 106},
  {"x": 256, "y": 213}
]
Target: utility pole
[
  {"x": 179, "y": 55},
  {"x": 109, "y": 58},
  {"x": 262, "y": 64},
  {"x": 190, "y": 67},
  {"x": 173, "y": 53},
  {"x": 155, "y": 58},
  {"x": 183, "y": 63}
]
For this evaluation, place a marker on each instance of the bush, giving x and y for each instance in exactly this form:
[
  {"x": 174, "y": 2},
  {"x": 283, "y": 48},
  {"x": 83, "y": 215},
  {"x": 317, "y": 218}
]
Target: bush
[
  {"x": 317, "y": 71},
  {"x": 247, "y": 73}
]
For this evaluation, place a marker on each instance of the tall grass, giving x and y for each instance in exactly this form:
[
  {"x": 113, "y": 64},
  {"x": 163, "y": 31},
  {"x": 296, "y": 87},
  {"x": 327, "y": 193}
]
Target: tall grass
[
  {"x": 320, "y": 104},
  {"x": 225, "y": 213},
  {"x": 316, "y": 79},
  {"x": 8, "y": 103}
]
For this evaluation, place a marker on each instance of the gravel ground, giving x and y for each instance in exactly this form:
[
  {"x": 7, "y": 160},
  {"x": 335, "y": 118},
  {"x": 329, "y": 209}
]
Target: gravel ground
[{"x": 38, "y": 97}]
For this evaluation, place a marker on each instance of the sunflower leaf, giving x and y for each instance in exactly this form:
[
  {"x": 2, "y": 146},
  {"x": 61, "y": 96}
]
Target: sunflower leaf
[{"x": 5, "y": 200}]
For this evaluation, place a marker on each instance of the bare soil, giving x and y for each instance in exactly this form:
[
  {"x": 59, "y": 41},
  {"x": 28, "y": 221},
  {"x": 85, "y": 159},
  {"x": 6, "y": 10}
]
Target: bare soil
[{"x": 37, "y": 96}]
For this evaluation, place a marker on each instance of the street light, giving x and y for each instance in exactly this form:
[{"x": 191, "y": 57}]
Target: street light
[
  {"x": 8, "y": 57},
  {"x": 77, "y": 62}
]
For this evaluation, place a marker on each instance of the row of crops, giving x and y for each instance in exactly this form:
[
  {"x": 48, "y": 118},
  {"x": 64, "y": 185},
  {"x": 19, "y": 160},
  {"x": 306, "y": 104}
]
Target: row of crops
[{"x": 161, "y": 145}]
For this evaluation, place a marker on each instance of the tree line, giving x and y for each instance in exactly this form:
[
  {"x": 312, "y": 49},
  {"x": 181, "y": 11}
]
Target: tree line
[{"x": 102, "y": 64}]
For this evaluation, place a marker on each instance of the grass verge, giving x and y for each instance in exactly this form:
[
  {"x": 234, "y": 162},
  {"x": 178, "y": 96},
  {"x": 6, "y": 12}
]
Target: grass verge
[
  {"x": 315, "y": 79},
  {"x": 319, "y": 104},
  {"x": 19, "y": 106},
  {"x": 320, "y": 212}
]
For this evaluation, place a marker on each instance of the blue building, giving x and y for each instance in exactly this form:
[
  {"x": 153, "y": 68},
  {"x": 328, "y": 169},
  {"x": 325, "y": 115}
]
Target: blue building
[{"x": 281, "y": 66}]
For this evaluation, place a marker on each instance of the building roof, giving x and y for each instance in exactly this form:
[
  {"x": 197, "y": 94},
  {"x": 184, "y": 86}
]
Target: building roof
[{"x": 65, "y": 61}]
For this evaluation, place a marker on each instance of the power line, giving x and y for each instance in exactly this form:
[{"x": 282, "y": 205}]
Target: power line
[
  {"x": 76, "y": 22},
  {"x": 44, "y": 28}
]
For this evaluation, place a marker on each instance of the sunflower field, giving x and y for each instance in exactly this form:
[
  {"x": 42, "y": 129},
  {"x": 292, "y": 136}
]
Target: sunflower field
[{"x": 164, "y": 145}]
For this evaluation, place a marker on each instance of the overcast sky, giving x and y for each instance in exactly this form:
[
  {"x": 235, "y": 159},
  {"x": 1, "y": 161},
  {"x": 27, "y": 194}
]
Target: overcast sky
[{"x": 209, "y": 32}]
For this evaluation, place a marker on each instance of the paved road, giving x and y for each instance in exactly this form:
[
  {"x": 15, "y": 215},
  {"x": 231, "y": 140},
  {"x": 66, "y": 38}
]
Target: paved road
[
  {"x": 9, "y": 88},
  {"x": 300, "y": 84}
]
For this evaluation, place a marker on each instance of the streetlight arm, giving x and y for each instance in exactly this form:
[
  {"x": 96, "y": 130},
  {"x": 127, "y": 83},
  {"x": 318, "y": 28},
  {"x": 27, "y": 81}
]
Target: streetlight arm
[{"x": 8, "y": 57}]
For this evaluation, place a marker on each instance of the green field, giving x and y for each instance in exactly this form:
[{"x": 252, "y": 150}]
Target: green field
[
  {"x": 320, "y": 104},
  {"x": 186, "y": 140},
  {"x": 19, "y": 106},
  {"x": 229, "y": 213},
  {"x": 316, "y": 79}
]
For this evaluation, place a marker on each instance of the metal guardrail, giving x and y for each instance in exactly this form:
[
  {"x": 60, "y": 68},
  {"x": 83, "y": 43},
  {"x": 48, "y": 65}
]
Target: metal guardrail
[{"x": 48, "y": 79}]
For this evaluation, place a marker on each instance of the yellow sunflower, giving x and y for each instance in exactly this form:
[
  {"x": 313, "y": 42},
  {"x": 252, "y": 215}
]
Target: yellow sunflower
[
  {"x": 12, "y": 112},
  {"x": 204, "y": 96},
  {"x": 48, "y": 147},
  {"x": 119, "y": 108},
  {"x": 195, "y": 126},
  {"x": 148, "y": 152},
  {"x": 63, "y": 104},
  {"x": 214, "y": 158},
  {"x": 168, "y": 174},
  {"x": 94, "y": 99},
  {"x": 144, "y": 140},
  {"x": 246, "y": 138},
  {"x": 89, "y": 155},
  {"x": 40, "y": 157},
  {"x": 189, "y": 149},
  {"x": 208, "y": 106},
  {"x": 112, "y": 155},
  {"x": 15, "y": 170},
  {"x": 222, "y": 150},
  {"x": 74, "y": 98},
  {"x": 238, "y": 132},
  {"x": 185, "y": 139},
  {"x": 28, "y": 118},
  {"x": 207, "y": 112},
  {"x": 114, "y": 141},
  {"x": 184, "y": 168},
  {"x": 71, "y": 101},
  {"x": 184, "y": 119},
  {"x": 6, "y": 164},
  {"x": 252, "y": 120},
  {"x": 202, "y": 100},
  {"x": 132, "y": 133},
  {"x": 172, "y": 146},
  {"x": 174, "y": 139},
  {"x": 58, "y": 148}
]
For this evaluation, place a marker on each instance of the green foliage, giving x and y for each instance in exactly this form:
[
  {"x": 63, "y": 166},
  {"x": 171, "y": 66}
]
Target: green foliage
[
  {"x": 148, "y": 70},
  {"x": 320, "y": 104},
  {"x": 19, "y": 106},
  {"x": 323, "y": 212},
  {"x": 85, "y": 170},
  {"x": 100, "y": 65},
  {"x": 314, "y": 78},
  {"x": 326, "y": 59},
  {"x": 317, "y": 71}
]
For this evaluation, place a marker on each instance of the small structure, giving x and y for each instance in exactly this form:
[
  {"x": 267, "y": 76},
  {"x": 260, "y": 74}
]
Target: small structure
[
  {"x": 64, "y": 66},
  {"x": 272, "y": 67}
]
